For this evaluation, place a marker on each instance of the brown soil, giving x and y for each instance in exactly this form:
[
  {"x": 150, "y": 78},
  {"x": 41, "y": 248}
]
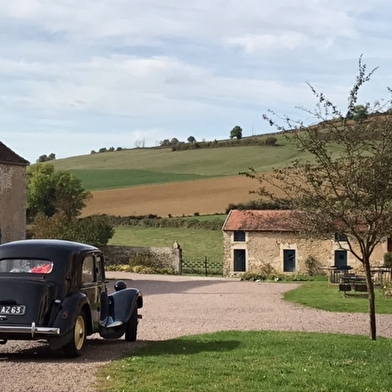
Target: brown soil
[{"x": 177, "y": 199}]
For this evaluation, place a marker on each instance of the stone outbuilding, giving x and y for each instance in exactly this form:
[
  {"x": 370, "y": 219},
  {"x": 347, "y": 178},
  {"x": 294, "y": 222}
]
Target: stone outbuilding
[
  {"x": 266, "y": 240},
  {"x": 12, "y": 195}
]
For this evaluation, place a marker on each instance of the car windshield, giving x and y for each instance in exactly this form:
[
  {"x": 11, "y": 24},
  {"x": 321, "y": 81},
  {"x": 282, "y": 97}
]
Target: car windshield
[{"x": 26, "y": 266}]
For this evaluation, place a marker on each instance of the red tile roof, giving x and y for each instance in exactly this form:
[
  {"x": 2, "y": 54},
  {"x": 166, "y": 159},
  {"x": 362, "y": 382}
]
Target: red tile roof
[
  {"x": 260, "y": 220},
  {"x": 10, "y": 157}
]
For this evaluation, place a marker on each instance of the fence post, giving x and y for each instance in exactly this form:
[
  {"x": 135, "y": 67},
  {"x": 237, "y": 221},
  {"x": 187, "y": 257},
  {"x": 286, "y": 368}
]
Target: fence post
[{"x": 206, "y": 265}]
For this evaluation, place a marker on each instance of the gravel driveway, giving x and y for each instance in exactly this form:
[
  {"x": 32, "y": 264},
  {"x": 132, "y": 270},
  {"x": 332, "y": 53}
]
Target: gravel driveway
[{"x": 174, "y": 306}]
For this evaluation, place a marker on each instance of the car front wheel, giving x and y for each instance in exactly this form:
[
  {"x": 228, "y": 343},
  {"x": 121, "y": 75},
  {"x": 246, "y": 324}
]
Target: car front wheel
[
  {"x": 131, "y": 331},
  {"x": 75, "y": 346}
]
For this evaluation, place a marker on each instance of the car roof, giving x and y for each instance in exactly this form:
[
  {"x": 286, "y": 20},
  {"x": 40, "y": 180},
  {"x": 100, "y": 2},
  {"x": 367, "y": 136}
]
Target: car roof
[{"x": 36, "y": 248}]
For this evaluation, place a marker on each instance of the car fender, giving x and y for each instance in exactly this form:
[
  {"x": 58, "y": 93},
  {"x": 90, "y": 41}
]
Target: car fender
[
  {"x": 66, "y": 317},
  {"x": 69, "y": 310},
  {"x": 124, "y": 302}
]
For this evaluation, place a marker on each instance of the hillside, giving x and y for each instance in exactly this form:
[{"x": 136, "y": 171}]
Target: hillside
[
  {"x": 162, "y": 182},
  {"x": 135, "y": 167}
]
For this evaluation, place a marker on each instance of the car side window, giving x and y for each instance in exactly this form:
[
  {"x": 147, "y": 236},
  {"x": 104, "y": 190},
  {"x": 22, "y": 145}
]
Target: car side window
[
  {"x": 88, "y": 273},
  {"x": 99, "y": 266}
]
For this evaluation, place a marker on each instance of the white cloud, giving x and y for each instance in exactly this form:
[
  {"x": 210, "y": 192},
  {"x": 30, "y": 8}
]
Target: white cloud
[{"x": 132, "y": 70}]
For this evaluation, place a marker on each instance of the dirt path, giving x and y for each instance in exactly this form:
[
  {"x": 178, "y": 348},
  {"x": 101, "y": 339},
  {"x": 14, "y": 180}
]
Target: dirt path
[{"x": 174, "y": 306}]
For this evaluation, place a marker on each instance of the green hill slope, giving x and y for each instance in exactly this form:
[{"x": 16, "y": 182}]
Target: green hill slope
[{"x": 153, "y": 165}]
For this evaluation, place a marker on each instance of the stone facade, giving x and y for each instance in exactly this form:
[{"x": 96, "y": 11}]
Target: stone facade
[
  {"x": 267, "y": 249},
  {"x": 12, "y": 195},
  {"x": 163, "y": 257}
]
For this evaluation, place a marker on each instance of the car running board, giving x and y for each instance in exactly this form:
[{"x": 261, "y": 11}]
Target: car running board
[{"x": 108, "y": 322}]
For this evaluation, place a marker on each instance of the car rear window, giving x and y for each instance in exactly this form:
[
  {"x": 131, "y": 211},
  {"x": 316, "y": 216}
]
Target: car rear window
[{"x": 26, "y": 266}]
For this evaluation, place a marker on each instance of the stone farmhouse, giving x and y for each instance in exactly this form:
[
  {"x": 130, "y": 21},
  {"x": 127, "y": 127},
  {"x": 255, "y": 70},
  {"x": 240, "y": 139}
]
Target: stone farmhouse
[
  {"x": 12, "y": 195},
  {"x": 258, "y": 239}
]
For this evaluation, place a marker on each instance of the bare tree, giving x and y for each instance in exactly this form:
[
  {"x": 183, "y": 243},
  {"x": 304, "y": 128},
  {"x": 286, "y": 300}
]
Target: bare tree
[{"x": 345, "y": 184}]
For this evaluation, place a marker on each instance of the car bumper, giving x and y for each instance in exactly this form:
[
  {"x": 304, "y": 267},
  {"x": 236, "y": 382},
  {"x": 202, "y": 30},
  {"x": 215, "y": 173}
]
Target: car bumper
[{"x": 32, "y": 330}]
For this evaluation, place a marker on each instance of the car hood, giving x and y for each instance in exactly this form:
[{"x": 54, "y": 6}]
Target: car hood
[{"x": 37, "y": 298}]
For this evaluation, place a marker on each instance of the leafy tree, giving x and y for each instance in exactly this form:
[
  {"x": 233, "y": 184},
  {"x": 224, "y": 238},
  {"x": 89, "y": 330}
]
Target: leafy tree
[
  {"x": 360, "y": 112},
  {"x": 236, "y": 133},
  {"x": 54, "y": 227},
  {"x": 191, "y": 139},
  {"x": 46, "y": 158},
  {"x": 50, "y": 191},
  {"x": 165, "y": 142},
  {"x": 348, "y": 192},
  {"x": 70, "y": 197},
  {"x": 174, "y": 141},
  {"x": 42, "y": 158}
]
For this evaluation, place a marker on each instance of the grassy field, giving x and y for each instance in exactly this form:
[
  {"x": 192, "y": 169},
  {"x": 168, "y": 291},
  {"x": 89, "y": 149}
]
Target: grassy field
[
  {"x": 196, "y": 244},
  {"x": 320, "y": 295},
  {"x": 113, "y": 179},
  {"x": 254, "y": 362},
  {"x": 151, "y": 166}
]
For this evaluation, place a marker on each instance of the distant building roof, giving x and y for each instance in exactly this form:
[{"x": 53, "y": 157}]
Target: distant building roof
[
  {"x": 10, "y": 157},
  {"x": 261, "y": 220}
]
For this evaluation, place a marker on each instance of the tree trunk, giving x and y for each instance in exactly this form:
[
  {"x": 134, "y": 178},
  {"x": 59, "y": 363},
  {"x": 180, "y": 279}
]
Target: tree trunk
[{"x": 372, "y": 307}]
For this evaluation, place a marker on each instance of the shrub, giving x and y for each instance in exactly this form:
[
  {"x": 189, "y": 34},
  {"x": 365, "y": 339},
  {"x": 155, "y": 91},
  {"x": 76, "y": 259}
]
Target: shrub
[
  {"x": 271, "y": 141},
  {"x": 95, "y": 230},
  {"x": 140, "y": 269},
  {"x": 171, "y": 222},
  {"x": 388, "y": 259},
  {"x": 255, "y": 205},
  {"x": 253, "y": 277},
  {"x": 261, "y": 272},
  {"x": 313, "y": 266}
]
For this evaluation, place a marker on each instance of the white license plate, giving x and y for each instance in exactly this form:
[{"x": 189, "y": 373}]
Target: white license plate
[{"x": 12, "y": 309}]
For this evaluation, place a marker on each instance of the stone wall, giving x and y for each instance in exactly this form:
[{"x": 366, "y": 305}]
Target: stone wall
[
  {"x": 266, "y": 248},
  {"x": 12, "y": 202},
  {"x": 163, "y": 257}
]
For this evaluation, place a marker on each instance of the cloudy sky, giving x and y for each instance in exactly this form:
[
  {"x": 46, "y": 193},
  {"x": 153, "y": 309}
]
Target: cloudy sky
[{"x": 80, "y": 75}]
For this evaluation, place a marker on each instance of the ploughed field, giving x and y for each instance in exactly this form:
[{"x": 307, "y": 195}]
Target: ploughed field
[{"x": 209, "y": 196}]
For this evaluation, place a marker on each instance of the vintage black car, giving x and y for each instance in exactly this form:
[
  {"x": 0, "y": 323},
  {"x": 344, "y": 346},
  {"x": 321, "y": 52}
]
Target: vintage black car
[{"x": 56, "y": 290}]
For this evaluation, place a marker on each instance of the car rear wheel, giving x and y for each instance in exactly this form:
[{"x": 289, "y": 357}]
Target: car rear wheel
[
  {"x": 131, "y": 331},
  {"x": 75, "y": 346}
]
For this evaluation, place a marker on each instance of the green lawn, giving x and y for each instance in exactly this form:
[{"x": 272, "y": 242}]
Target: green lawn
[
  {"x": 254, "y": 362},
  {"x": 196, "y": 244},
  {"x": 320, "y": 295}
]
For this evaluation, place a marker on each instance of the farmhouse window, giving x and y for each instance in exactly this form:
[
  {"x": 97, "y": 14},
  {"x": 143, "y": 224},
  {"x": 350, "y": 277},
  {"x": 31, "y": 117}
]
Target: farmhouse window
[
  {"x": 389, "y": 244},
  {"x": 239, "y": 236},
  {"x": 239, "y": 260},
  {"x": 340, "y": 237},
  {"x": 288, "y": 260}
]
